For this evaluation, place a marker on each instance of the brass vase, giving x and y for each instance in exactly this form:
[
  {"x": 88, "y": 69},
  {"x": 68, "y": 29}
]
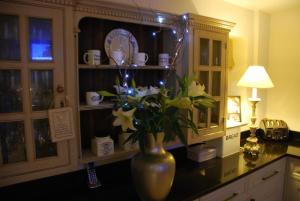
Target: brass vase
[{"x": 153, "y": 171}]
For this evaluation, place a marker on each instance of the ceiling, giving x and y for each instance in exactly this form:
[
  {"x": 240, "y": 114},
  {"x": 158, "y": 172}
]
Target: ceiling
[{"x": 268, "y": 6}]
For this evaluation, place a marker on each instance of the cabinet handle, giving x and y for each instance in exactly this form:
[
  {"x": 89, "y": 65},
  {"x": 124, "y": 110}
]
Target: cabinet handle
[
  {"x": 252, "y": 199},
  {"x": 296, "y": 173},
  {"x": 271, "y": 175},
  {"x": 231, "y": 197}
]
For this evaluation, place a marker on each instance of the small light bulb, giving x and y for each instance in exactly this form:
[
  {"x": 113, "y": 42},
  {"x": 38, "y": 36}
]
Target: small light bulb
[
  {"x": 126, "y": 76},
  {"x": 187, "y": 31},
  {"x": 125, "y": 84},
  {"x": 161, "y": 82},
  {"x": 174, "y": 31},
  {"x": 129, "y": 91},
  {"x": 153, "y": 33},
  {"x": 167, "y": 67},
  {"x": 184, "y": 17},
  {"x": 160, "y": 19}
]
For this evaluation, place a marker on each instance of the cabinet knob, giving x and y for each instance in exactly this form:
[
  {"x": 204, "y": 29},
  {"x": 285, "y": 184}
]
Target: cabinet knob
[{"x": 60, "y": 89}]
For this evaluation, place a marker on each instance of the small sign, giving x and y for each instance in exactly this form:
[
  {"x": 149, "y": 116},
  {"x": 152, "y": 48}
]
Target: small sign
[{"x": 61, "y": 124}]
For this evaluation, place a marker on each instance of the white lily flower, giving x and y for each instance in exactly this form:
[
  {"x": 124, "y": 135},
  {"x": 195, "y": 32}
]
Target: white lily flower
[
  {"x": 196, "y": 89},
  {"x": 124, "y": 119},
  {"x": 154, "y": 90}
]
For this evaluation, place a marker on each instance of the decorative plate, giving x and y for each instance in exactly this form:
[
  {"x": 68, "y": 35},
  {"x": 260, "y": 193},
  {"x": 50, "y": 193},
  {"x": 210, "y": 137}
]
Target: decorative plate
[{"x": 121, "y": 39}]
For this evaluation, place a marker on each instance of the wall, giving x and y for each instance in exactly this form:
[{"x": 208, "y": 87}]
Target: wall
[{"x": 284, "y": 67}]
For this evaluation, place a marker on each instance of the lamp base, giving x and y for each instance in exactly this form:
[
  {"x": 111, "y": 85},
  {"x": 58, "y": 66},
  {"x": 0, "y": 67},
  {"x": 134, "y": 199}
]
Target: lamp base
[{"x": 252, "y": 147}]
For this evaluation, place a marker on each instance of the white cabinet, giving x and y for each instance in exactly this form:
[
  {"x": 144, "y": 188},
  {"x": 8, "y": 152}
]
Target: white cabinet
[
  {"x": 265, "y": 184},
  {"x": 292, "y": 187},
  {"x": 268, "y": 183},
  {"x": 33, "y": 79},
  {"x": 206, "y": 58},
  {"x": 235, "y": 191}
]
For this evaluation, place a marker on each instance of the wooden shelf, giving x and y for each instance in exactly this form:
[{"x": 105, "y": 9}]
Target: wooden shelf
[
  {"x": 113, "y": 67},
  {"x": 119, "y": 154},
  {"x": 101, "y": 106}
]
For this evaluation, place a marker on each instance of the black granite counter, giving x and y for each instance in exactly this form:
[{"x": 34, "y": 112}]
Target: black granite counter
[{"x": 192, "y": 179}]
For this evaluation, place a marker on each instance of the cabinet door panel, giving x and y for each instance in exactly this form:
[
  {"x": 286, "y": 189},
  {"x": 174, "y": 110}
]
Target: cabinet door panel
[
  {"x": 40, "y": 39},
  {"x": 204, "y": 79},
  {"x": 10, "y": 88},
  {"x": 12, "y": 142},
  {"x": 216, "y": 83},
  {"x": 217, "y": 53},
  {"x": 215, "y": 115},
  {"x": 41, "y": 89},
  {"x": 43, "y": 145},
  {"x": 9, "y": 37},
  {"x": 204, "y": 51}
]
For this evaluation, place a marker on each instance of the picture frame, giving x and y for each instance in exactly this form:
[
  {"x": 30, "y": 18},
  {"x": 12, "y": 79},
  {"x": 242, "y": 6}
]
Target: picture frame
[
  {"x": 234, "y": 108},
  {"x": 61, "y": 124}
]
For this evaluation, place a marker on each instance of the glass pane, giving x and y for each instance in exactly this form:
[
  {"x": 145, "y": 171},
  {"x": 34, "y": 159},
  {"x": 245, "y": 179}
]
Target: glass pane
[
  {"x": 216, "y": 83},
  {"x": 9, "y": 37},
  {"x": 40, "y": 39},
  {"x": 41, "y": 89},
  {"x": 10, "y": 91},
  {"x": 204, "y": 51},
  {"x": 217, "y": 53},
  {"x": 204, "y": 79},
  {"x": 43, "y": 145},
  {"x": 215, "y": 115},
  {"x": 202, "y": 118},
  {"x": 12, "y": 142}
]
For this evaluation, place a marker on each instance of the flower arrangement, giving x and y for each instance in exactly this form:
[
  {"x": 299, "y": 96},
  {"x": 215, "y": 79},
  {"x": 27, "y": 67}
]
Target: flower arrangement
[{"x": 158, "y": 109}]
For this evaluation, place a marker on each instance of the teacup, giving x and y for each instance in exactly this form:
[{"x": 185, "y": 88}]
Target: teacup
[
  {"x": 163, "y": 59},
  {"x": 140, "y": 58},
  {"x": 93, "y": 98},
  {"x": 92, "y": 57}
]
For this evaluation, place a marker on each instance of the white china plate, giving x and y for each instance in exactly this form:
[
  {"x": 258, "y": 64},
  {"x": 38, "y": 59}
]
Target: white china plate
[{"x": 121, "y": 39}]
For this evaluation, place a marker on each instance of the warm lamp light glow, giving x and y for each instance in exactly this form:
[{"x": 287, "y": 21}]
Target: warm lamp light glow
[{"x": 256, "y": 77}]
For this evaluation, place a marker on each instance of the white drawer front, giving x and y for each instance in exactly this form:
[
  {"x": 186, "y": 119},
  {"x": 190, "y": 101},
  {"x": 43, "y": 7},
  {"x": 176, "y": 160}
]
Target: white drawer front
[
  {"x": 232, "y": 192},
  {"x": 269, "y": 174}
]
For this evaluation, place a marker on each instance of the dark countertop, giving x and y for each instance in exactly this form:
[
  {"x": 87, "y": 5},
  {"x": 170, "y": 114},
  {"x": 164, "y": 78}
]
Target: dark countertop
[{"x": 192, "y": 179}]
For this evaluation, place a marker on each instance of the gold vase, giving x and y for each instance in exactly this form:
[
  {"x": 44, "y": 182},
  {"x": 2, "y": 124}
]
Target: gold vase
[{"x": 153, "y": 171}]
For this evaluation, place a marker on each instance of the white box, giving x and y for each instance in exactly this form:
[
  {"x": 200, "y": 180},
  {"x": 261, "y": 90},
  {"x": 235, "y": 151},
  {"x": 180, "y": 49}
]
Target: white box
[
  {"x": 228, "y": 144},
  {"x": 201, "y": 153},
  {"x": 102, "y": 146}
]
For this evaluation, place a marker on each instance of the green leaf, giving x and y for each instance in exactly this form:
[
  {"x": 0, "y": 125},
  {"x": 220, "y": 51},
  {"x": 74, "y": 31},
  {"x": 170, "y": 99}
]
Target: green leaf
[
  {"x": 133, "y": 84},
  {"x": 117, "y": 81},
  {"x": 106, "y": 93}
]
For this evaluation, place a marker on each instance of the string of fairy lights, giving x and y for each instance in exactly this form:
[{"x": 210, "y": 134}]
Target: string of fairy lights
[{"x": 180, "y": 29}]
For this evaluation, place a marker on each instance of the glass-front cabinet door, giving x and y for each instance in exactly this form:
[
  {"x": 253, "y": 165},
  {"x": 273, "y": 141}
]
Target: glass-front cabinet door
[
  {"x": 31, "y": 68},
  {"x": 209, "y": 65}
]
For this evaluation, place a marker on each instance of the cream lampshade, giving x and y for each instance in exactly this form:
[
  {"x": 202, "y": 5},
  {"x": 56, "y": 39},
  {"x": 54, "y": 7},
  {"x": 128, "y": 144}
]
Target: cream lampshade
[{"x": 254, "y": 77}]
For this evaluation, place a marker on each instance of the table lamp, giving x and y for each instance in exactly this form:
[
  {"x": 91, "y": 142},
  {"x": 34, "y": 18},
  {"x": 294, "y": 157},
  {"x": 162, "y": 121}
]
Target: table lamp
[{"x": 254, "y": 77}]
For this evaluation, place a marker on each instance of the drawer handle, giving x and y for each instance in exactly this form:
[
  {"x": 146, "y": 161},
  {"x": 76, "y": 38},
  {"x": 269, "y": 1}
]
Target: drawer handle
[
  {"x": 231, "y": 197},
  {"x": 271, "y": 175}
]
